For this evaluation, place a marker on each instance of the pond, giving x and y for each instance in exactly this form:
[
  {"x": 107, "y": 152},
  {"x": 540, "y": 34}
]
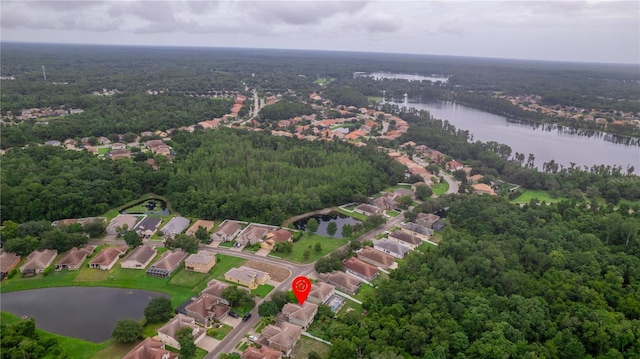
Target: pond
[
  {"x": 408, "y": 77},
  {"x": 323, "y": 222},
  {"x": 149, "y": 206},
  {"x": 88, "y": 313}
]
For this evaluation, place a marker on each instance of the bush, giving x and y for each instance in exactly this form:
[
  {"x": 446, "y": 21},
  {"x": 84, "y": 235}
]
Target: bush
[
  {"x": 12, "y": 273},
  {"x": 47, "y": 270}
]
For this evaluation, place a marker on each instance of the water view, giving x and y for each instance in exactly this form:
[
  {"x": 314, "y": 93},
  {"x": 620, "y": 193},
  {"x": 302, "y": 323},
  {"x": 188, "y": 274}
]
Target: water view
[
  {"x": 149, "y": 206},
  {"x": 546, "y": 142},
  {"x": 409, "y": 77},
  {"x": 323, "y": 222},
  {"x": 88, "y": 313}
]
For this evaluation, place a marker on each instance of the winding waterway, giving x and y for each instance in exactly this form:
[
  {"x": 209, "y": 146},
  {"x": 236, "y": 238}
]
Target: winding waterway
[
  {"x": 88, "y": 313},
  {"x": 547, "y": 142}
]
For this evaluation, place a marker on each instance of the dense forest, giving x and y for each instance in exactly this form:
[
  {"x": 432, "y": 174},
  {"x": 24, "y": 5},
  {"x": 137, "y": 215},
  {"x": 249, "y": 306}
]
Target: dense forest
[
  {"x": 283, "y": 110},
  {"x": 258, "y": 177},
  {"x": 557, "y": 281}
]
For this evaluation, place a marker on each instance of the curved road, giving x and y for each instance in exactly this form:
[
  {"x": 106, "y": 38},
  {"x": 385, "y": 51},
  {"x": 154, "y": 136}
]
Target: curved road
[{"x": 453, "y": 185}]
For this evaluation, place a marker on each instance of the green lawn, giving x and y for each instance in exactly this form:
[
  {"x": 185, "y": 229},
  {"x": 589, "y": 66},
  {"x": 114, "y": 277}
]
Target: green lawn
[
  {"x": 75, "y": 348},
  {"x": 358, "y": 216},
  {"x": 219, "y": 333},
  {"x": 398, "y": 186},
  {"x": 188, "y": 279},
  {"x": 540, "y": 195},
  {"x": 364, "y": 291},
  {"x": 103, "y": 150},
  {"x": 227, "y": 244},
  {"x": 376, "y": 99},
  {"x": 440, "y": 188},
  {"x": 307, "y": 243},
  {"x": 115, "y": 211},
  {"x": 393, "y": 213},
  {"x": 308, "y": 345},
  {"x": 263, "y": 290},
  {"x": 225, "y": 263}
]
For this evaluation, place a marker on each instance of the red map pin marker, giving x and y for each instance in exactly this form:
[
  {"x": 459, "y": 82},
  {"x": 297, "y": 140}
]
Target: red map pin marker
[{"x": 301, "y": 287}]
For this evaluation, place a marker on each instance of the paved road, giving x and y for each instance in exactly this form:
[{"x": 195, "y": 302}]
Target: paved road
[{"x": 453, "y": 185}]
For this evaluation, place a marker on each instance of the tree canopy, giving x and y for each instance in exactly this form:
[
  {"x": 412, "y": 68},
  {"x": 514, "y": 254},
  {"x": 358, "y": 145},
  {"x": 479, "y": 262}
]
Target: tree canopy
[{"x": 158, "y": 310}]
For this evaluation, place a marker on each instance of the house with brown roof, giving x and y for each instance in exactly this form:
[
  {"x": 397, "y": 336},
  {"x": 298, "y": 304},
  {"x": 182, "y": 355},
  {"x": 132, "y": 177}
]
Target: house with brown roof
[
  {"x": 73, "y": 259},
  {"x": 150, "y": 349},
  {"x": 282, "y": 337},
  {"x": 301, "y": 315},
  {"x": 360, "y": 269},
  {"x": 201, "y": 262},
  {"x": 320, "y": 292},
  {"x": 167, "y": 332},
  {"x": 405, "y": 238},
  {"x": 388, "y": 201},
  {"x": 342, "y": 281},
  {"x": 121, "y": 221},
  {"x": 376, "y": 258},
  {"x": 263, "y": 353},
  {"x": 37, "y": 261},
  {"x": 247, "y": 277},
  {"x": 8, "y": 261},
  {"x": 481, "y": 188},
  {"x": 276, "y": 236},
  {"x": 208, "y": 225},
  {"x": 427, "y": 219},
  {"x": 208, "y": 308},
  {"x": 107, "y": 258},
  {"x": 367, "y": 209},
  {"x": 139, "y": 258},
  {"x": 215, "y": 288},
  {"x": 422, "y": 232},
  {"x": 454, "y": 165},
  {"x": 392, "y": 248},
  {"x": 168, "y": 262},
  {"x": 119, "y": 154},
  {"x": 253, "y": 233},
  {"x": 227, "y": 231}
]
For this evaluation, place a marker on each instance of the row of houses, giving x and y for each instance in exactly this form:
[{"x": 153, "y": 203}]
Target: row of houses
[
  {"x": 267, "y": 236},
  {"x": 149, "y": 225}
]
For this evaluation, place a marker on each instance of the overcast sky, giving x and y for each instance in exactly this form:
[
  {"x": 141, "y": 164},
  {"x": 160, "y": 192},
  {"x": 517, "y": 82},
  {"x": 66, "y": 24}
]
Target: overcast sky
[{"x": 591, "y": 31}]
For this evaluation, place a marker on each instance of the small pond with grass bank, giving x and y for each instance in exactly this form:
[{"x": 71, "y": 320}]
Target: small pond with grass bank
[
  {"x": 149, "y": 206},
  {"x": 88, "y": 313},
  {"x": 323, "y": 222}
]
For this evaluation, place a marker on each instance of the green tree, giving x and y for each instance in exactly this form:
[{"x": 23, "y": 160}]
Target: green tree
[
  {"x": 187, "y": 243},
  {"x": 347, "y": 231},
  {"x": 405, "y": 201},
  {"x": 283, "y": 247},
  {"x": 268, "y": 308},
  {"x": 237, "y": 297},
  {"x": 202, "y": 234},
  {"x": 373, "y": 221},
  {"x": 332, "y": 228},
  {"x": 132, "y": 239},
  {"x": 423, "y": 192},
  {"x": 318, "y": 247},
  {"x": 158, "y": 310},
  {"x": 188, "y": 348},
  {"x": 312, "y": 225},
  {"x": 127, "y": 331},
  {"x": 306, "y": 255},
  {"x": 280, "y": 298},
  {"x": 95, "y": 228}
]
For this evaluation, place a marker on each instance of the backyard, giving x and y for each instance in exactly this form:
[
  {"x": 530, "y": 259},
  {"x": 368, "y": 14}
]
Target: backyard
[
  {"x": 542, "y": 196},
  {"x": 308, "y": 243},
  {"x": 440, "y": 188}
]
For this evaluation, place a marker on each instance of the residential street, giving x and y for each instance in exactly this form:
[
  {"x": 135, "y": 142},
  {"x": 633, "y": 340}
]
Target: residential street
[{"x": 453, "y": 185}]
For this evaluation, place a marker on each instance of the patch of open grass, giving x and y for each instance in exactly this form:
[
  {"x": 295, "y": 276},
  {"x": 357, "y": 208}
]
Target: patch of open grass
[
  {"x": 440, "y": 188},
  {"x": 188, "y": 279},
  {"x": 358, "y": 216},
  {"x": 225, "y": 263},
  {"x": 263, "y": 290},
  {"x": 115, "y": 351},
  {"x": 393, "y": 213},
  {"x": 365, "y": 290},
  {"x": 226, "y": 244},
  {"x": 398, "y": 186},
  {"x": 308, "y": 243},
  {"x": 307, "y": 345},
  {"x": 219, "y": 333},
  {"x": 542, "y": 196},
  {"x": 150, "y": 329}
]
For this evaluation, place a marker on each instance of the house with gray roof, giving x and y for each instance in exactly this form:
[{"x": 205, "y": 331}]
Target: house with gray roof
[
  {"x": 168, "y": 262},
  {"x": 417, "y": 230},
  {"x": 148, "y": 226},
  {"x": 254, "y": 233},
  {"x": 139, "y": 258},
  {"x": 73, "y": 259},
  {"x": 342, "y": 281},
  {"x": 246, "y": 276},
  {"x": 175, "y": 226},
  {"x": 301, "y": 315},
  {"x": 406, "y": 239},
  {"x": 227, "y": 231},
  {"x": 122, "y": 222},
  {"x": 392, "y": 248},
  {"x": 367, "y": 209},
  {"x": 282, "y": 337}
]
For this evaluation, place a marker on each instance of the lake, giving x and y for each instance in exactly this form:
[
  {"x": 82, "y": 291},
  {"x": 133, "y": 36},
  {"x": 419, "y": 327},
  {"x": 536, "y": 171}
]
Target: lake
[
  {"x": 408, "y": 77},
  {"x": 88, "y": 313},
  {"x": 546, "y": 142},
  {"x": 323, "y": 222}
]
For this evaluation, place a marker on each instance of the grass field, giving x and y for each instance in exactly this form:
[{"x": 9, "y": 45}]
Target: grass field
[
  {"x": 440, "y": 188},
  {"x": 219, "y": 333},
  {"x": 263, "y": 290},
  {"x": 308, "y": 345},
  {"x": 393, "y": 213},
  {"x": 188, "y": 279},
  {"x": 364, "y": 291},
  {"x": 224, "y": 264},
  {"x": 398, "y": 186},
  {"x": 540, "y": 195},
  {"x": 115, "y": 211},
  {"x": 307, "y": 243},
  {"x": 358, "y": 216}
]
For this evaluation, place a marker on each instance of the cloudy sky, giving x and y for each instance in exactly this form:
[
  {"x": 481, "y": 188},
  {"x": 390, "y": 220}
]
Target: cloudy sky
[{"x": 592, "y": 31}]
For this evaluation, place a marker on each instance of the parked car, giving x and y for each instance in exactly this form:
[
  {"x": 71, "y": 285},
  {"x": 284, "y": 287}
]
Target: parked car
[
  {"x": 253, "y": 338},
  {"x": 234, "y": 314},
  {"x": 246, "y": 317}
]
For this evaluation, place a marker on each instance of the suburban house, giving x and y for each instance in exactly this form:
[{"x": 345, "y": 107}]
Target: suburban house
[
  {"x": 167, "y": 332},
  {"x": 276, "y": 236},
  {"x": 37, "y": 261},
  {"x": 8, "y": 261},
  {"x": 207, "y": 308},
  {"x": 427, "y": 219},
  {"x": 253, "y": 233},
  {"x": 360, "y": 269},
  {"x": 392, "y": 248},
  {"x": 301, "y": 315},
  {"x": 139, "y": 258},
  {"x": 175, "y": 226},
  {"x": 388, "y": 201},
  {"x": 74, "y": 258},
  {"x": 215, "y": 288},
  {"x": 376, "y": 258},
  {"x": 107, "y": 257},
  {"x": 148, "y": 226},
  {"x": 405, "y": 238},
  {"x": 482, "y": 188},
  {"x": 201, "y": 262},
  {"x": 227, "y": 231},
  {"x": 263, "y": 353},
  {"x": 123, "y": 221},
  {"x": 367, "y": 209},
  {"x": 168, "y": 262},
  {"x": 246, "y": 276},
  {"x": 150, "y": 349},
  {"x": 119, "y": 154},
  {"x": 282, "y": 337},
  {"x": 417, "y": 230},
  {"x": 208, "y": 225},
  {"x": 342, "y": 281},
  {"x": 454, "y": 166},
  {"x": 320, "y": 292}
]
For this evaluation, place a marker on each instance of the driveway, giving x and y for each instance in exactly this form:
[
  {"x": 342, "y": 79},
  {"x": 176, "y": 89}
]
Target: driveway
[
  {"x": 263, "y": 252},
  {"x": 207, "y": 343}
]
